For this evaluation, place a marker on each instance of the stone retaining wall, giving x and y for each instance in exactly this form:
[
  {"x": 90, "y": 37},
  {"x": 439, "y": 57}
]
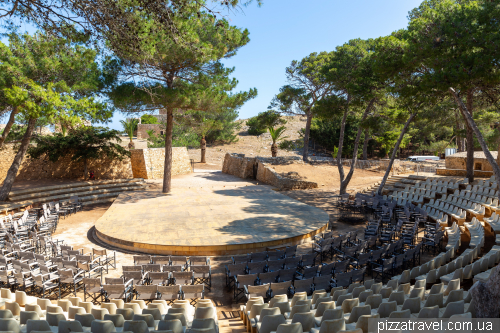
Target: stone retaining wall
[
  {"x": 149, "y": 163},
  {"x": 256, "y": 168},
  {"x": 462, "y": 173},
  {"x": 42, "y": 168},
  {"x": 143, "y": 163}
]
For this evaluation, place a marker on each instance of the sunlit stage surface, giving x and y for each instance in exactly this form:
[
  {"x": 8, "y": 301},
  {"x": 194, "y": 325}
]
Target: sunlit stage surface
[{"x": 208, "y": 221}]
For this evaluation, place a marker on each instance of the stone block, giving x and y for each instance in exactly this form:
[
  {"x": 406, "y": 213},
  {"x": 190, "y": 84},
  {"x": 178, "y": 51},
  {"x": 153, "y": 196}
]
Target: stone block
[
  {"x": 149, "y": 163},
  {"x": 486, "y": 296}
]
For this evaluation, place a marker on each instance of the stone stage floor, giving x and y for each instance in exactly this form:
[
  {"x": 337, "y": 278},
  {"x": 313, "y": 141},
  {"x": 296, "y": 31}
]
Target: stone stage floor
[{"x": 208, "y": 220}]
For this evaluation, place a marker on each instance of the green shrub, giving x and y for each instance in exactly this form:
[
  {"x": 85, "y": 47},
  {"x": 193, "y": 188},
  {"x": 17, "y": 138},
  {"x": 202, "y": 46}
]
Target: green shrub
[
  {"x": 148, "y": 119},
  {"x": 291, "y": 144},
  {"x": 260, "y": 123},
  {"x": 180, "y": 138},
  {"x": 335, "y": 152},
  {"x": 16, "y": 133},
  {"x": 326, "y": 133}
]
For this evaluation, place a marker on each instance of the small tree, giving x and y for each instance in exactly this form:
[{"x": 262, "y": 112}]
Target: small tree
[
  {"x": 276, "y": 134},
  {"x": 203, "y": 123},
  {"x": 129, "y": 126},
  {"x": 82, "y": 144}
]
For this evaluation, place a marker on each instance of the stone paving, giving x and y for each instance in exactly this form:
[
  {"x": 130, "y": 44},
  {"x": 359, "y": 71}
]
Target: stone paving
[{"x": 213, "y": 214}]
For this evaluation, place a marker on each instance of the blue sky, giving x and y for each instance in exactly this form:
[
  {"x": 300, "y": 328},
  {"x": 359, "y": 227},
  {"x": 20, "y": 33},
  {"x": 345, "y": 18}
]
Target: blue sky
[
  {"x": 286, "y": 30},
  {"x": 281, "y": 31}
]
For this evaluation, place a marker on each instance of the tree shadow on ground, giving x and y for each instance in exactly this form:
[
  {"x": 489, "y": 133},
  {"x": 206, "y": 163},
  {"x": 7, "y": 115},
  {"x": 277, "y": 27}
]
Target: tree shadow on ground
[
  {"x": 274, "y": 216},
  {"x": 138, "y": 196},
  {"x": 220, "y": 179}
]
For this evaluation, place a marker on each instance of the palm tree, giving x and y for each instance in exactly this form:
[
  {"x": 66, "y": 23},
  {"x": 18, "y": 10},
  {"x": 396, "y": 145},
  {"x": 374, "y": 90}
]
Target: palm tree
[
  {"x": 129, "y": 126},
  {"x": 276, "y": 134}
]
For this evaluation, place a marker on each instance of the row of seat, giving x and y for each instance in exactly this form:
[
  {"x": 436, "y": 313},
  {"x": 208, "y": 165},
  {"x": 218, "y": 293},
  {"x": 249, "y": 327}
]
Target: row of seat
[
  {"x": 197, "y": 275},
  {"x": 490, "y": 203},
  {"x": 433, "y": 185},
  {"x": 413, "y": 198},
  {"x": 350, "y": 308},
  {"x": 73, "y": 315},
  {"x": 441, "y": 213},
  {"x": 454, "y": 208},
  {"x": 494, "y": 222}
]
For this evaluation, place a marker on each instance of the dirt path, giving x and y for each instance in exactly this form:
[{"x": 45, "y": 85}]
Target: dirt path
[{"x": 327, "y": 176}]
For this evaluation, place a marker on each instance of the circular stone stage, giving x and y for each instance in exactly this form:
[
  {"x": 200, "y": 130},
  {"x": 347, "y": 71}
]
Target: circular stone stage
[{"x": 208, "y": 221}]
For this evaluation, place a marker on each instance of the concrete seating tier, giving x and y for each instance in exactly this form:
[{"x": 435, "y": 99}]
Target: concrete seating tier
[
  {"x": 391, "y": 181},
  {"x": 87, "y": 192}
]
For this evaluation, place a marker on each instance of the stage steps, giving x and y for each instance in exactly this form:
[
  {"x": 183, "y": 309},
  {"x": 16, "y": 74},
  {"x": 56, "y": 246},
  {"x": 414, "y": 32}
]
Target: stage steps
[
  {"x": 232, "y": 325},
  {"x": 88, "y": 192}
]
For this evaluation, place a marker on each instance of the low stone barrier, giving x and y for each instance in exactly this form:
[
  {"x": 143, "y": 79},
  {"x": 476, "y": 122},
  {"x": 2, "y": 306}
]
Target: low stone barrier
[
  {"x": 257, "y": 168},
  {"x": 463, "y": 173}
]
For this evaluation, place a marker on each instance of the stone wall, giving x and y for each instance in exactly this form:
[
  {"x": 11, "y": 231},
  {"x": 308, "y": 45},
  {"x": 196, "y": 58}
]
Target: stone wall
[
  {"x": 240, "y": 166},
  {"x": 458, "y": 161},
  {"x": 143, "y": 163},
  {"x": 142, "y": 130},
  {"x": 149, "y": 163},
  {"x": 282, "y": 182},
  {"x": 257, "y": 168},
  {"x": 42, "y": 168}
]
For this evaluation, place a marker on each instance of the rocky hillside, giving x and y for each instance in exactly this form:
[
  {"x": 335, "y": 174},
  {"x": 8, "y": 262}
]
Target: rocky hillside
[{"x": 251, "y": 145}]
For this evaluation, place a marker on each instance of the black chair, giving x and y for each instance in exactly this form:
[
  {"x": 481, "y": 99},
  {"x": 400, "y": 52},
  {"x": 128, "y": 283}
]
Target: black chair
[{"x": 383, "y": 270}]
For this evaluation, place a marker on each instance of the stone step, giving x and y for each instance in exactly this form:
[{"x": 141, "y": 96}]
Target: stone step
[
  {"x": 73, "y": 191},
  {"x": 93, "y": 202},
  {"x": 73, "y": 186},
  {"x": 82, "y": 196}
]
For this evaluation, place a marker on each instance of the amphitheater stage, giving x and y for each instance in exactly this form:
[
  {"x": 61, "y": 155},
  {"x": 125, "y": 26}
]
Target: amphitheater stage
[{"x": 208, "y": 221}]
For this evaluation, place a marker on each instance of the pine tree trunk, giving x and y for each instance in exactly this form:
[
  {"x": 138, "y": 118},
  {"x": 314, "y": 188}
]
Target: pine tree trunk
[
  {"x": 341, "y": 143},
  {"x": 470, "y": 122},
  {"x": 18, "y": 159},
  {"x": 167, "y": 171},
  {"x": 458, "y": 137},
  {"x": 393, "y": 156},
  {"x": 345, "y": 182},
  {"x": 203, "y": 145},
  {"x": 470, "y": 141},
  {"x": 305, "y": 154},
  {"x": 365, "y": 145},
  {"x": 8, "y": 126}
]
